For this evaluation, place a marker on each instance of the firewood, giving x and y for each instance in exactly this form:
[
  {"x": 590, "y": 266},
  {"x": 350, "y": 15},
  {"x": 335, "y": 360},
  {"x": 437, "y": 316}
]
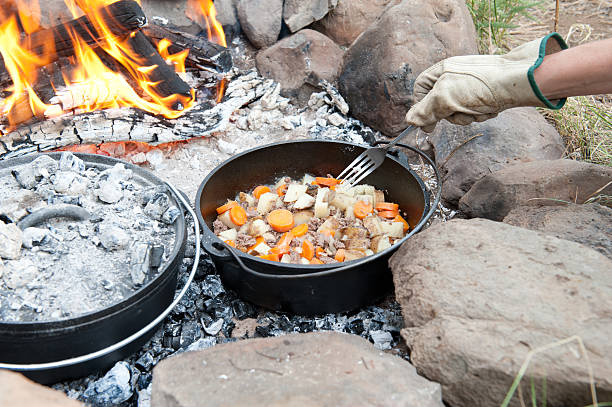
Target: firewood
[
  {"x": 202, "y": 53},
  {"x": 121, "y": 17}
]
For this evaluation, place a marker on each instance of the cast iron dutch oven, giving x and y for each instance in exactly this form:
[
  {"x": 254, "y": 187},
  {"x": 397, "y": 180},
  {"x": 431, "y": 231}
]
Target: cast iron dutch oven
[
  {"x": 74, "y": 347},
  {"x": 308, "y": 289}
]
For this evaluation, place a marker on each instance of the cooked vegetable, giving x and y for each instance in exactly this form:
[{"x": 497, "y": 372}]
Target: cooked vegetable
[
  {"x": 258, "y": 227},
  {"x": 398, "y": 218},
  {"x": 238, "y": 215},
  {"x": 260, "y": 190},
  {"x": 266, "y": 203},
  {"x": 362, "y": 209},
  {"x": 393, "y": 229},
  {"x": 387, "y": 206},
  {"x": 326, "y": 182},
  {"x": 226, "y": 207},
  {"x": 353, "y": 255},
  {"x": 316, "y": 261},
  {"x": 248, "y": 198},
  {"x": 340, "y": 254},
  {"x": 308, "y": 249},
  {"x": 281, "y": 190},
  {"x": 281, "y": 220},
  {"x": 294, "y": 191},
  {"x": 229, "y": 234},
  {"x": 380, "y": 243},
  {"x": 271, "y": 257},
  {"x": 300, "y": 230},
  {"x": 387, "y": 214},
  {"x": 230, "y": 243},
  {"x": 302, "y": 217},
  {"x": 304, "y": 201},
  {"x": 373, "y": 225}
]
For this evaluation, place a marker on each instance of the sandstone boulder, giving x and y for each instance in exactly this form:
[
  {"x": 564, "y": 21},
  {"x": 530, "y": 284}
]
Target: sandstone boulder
[
  {"x": 315, "y": 369},
  {"x": 301, "y": 13},
  {"x": 16, "y": 390},
  {"x": 350, "y": 18},
  {"x": 535, "y": 183},
  {"x": 478, "y": 295},
  {"x": 590, "y": 225},
  {"x": 468, "y": 153},
  {"x": 381, "y": 65},
  {"x": 301, "y": 61},
  {"x": 260, "y": 20}
]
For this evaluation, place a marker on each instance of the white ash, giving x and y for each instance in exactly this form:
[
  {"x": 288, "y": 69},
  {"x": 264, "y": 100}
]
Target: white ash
[{"x": 70, "y": 267}]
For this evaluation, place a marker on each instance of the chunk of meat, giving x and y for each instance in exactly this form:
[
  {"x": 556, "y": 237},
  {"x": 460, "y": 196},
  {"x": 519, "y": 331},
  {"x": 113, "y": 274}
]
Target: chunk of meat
[
  {"x": 244, "y": 240},
  {"x": 219, "y": 227},
  {"x": 315, "y": 223}
]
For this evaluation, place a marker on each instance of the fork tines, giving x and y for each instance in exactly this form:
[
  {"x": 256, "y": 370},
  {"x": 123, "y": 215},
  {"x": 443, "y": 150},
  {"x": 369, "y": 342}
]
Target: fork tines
[{"x": 360, "y": 168}]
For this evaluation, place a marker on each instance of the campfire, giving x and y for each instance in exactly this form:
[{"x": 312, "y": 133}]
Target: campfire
[{"x": 108, "y": 56}]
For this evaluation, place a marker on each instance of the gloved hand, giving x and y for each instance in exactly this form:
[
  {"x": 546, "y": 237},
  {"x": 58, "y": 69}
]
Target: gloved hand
[{"x": 471, "y": 88}]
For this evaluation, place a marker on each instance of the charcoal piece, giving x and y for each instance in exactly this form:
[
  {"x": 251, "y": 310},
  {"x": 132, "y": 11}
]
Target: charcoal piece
[
  {"x": 156, "y": 207},
  {"x": 190, "y": 333},
  {"x": 170, "y": 215},
  {"x": 243, "y": 310},
  {"x": 45, "y": 166},
  {"x": 113, "y": 237},
  {"x": 112, "y": 389},
  {"x": 214, "y": 328},
  {"x": 306, "y": 326},
  {"x": 70, "y": 162},
  {"x": 188, "y": 261},
  {"x": 139, "y": 262},
  {"x": 262, "y": 331},
  {"x": 173, "y": 329},
  {"x": 374, "y": 325},
  {"x": 356, "y": 327},
  {"x": 25, "y": 176},
  {"x": 190, "y": 251},
  {"x": 382, "y": 340},
  {"x": 199, "y": 304},
  {"x": 151, "y": 192},
  {"x": 203, "y": 343},
  {"x": 145, "y": 379},
  {"x": 283, "y": 323},
  {"x": 34, "y": 237},
  {"x": 65, "y": 199},
  {"x": 156, "y": 256},
  {"x": 212, "y": 287}
]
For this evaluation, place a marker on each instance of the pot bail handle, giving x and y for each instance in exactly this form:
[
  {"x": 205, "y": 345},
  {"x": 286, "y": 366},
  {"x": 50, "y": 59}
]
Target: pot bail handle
[{"x": 118, "y": 345}]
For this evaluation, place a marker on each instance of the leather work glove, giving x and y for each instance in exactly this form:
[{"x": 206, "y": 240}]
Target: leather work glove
[{"x": 469, "y": 88}]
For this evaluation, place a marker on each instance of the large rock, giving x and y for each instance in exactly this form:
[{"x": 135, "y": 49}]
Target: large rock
[
  {"x": 468, "y": 153},
  {"x": 301, "y": 13},
  {"x": 315, "y": 369},
  {"x": 589, "y": 224},
  {"x": 478, "y": 295},
  {"x": 261, "y": 20},
  {"x": 535, "y": 183},
  {"x": 350, "y": 18},
  {"x": 301, "y": 61},
  {"x": 381, "y": 66},
  {"x": 17, "y": 391}
]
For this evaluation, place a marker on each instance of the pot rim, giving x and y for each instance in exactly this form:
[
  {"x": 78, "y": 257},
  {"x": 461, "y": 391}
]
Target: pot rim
[
  {"x": 147, "y": 289},
  {"x": 324, "y": 269}
]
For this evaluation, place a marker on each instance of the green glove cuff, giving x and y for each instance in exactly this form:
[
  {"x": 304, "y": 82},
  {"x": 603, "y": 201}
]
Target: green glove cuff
[{"x": 541, "y": 54}]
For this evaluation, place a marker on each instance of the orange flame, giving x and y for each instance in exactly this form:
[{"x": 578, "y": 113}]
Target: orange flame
[
  {"x": 90, "y": 85},
  {"x": 206, "y": 15}
]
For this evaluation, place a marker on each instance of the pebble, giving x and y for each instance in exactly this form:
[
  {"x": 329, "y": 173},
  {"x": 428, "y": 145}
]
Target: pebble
[
  {"x": 11, "y": 238},
  {"x": 34, "y": 236},
  {"x": 113, "y": 237},
  {"x": 112, "y": 389}
]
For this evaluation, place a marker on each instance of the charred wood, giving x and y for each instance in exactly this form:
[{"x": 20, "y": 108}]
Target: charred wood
[{"x": 202, "y": 53}]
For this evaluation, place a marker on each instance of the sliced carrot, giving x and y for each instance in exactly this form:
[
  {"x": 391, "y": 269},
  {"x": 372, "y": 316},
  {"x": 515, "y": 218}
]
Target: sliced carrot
[
  {"x": 300, "y": 230},
  {"x": 280, "y": 250},
  {"x": 328, "y": 232},
  {"x": 260, "y": 190},
  {"x": 281, "y": 220},
  {"x": 362, "y": 209},
  {"x": 238, "y": 215},
  {"x": 230, "y": 243},
  {"x": 316, "y": 261},
  {"x": 307, "y": 249},
  {"x": 333, "y": 187},
  {"x": 326, "y": 182},
  {"x": 282, "y": 190},
  {"x": 340, "y": 255},
  {"x": 398, "y": 218},
  {"x": 226, "y": 207},
  {"x": 285, "y": 240},
  {"x": 257, "y": 241},
  {"x": 319, "y": 251},
  {"x": 388, "y": 214},
  {"x": 271, "y": 256},
  {"x": 387, "y": 206}
]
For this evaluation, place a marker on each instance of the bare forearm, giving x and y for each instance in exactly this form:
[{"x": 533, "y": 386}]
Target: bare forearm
[{"x": 578, "y": 71}]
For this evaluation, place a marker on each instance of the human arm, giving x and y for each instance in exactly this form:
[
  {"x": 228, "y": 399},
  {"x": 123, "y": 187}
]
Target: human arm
[{"x": 471, "y": 88}]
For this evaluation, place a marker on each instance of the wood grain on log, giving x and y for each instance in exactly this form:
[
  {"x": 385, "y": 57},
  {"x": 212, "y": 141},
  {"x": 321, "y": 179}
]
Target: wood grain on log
[
  {"x": 201, "y": 51},
  {"x": 121, "y": 17}
]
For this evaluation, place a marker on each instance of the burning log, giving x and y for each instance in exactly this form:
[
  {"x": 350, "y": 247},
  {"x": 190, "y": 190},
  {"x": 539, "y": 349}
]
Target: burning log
[
  {"x": 121, "y": 17},
  {"x": 202, "y": 53}
]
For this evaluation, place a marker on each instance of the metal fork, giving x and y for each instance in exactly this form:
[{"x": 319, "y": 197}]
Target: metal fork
[{"x": 368, "y": 161}]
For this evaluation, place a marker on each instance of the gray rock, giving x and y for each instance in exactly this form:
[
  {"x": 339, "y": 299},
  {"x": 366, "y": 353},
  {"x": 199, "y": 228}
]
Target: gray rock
[
  {"x": 112, "y": 389},
  {"x": 260, "y": 20},
  {"x": 113, "y": 237},
  {"x": 478, "y": 295},
  {"x": 381, "y": 65},
  {"x": 590, "y": 225},
  {"x": 299, "y": 62},
  {"x": 350, "y": 18},
  {"x": 18, "y": 273},
  {"x": 34, "y": 236},
  {"x": 11, "y": 238},
  {"x": 16, "y": 390},
  {"x": 515, "y": 136},
  {"x": 301, "y": 13},
  {"x": 70, "y": 162},
  {"x": 535, "y": 183},
  {"x": 312, "y": 369}
]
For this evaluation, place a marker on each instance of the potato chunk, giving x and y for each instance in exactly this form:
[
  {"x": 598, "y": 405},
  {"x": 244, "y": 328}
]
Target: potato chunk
[
  {"x": 266, "y": 203},
  {"x": 304, "y": 201},
  {"x": 374, "y": 225},
  {"x": 393, "y": 229},
  {"x": 294, "y": 191}
]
